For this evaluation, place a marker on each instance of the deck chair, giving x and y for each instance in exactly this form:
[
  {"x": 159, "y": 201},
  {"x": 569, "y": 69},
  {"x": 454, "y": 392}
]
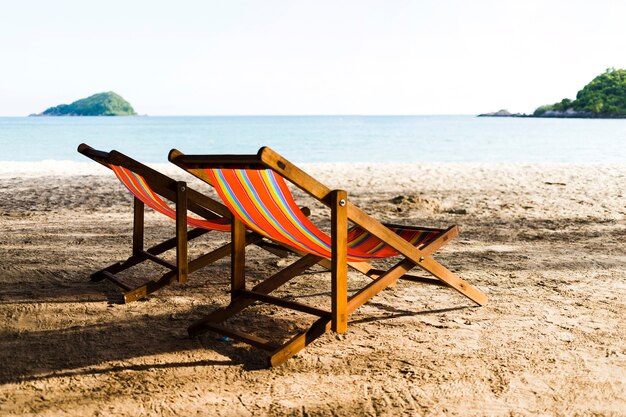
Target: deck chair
[
  {"x": 253, "y": 187},
  {"x": 150, "y": 188}
]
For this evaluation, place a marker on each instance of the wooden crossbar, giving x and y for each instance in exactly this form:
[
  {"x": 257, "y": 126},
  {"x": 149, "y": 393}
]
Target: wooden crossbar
[
  {"x": 171, "y": 243},
  {"x": 157, "y": 260},
  {"x": 293, "y": 305},
  {"x": 116, "y": 280},
  {"x": 256, "y": 341},
  {"x": 265, "y": 287}
]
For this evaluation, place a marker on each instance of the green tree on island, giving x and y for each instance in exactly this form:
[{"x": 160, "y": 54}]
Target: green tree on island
[
  {"x": 101, "y": 104},
  {"x": 605, "y": 96}
]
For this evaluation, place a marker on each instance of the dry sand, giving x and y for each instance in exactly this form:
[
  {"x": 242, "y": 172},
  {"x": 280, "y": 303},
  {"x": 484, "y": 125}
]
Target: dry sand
[{"x": 544, "y": 242}]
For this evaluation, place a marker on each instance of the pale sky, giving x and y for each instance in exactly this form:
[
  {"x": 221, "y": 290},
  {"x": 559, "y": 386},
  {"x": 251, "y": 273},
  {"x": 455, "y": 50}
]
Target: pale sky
[{"x": 287, "y": 57}]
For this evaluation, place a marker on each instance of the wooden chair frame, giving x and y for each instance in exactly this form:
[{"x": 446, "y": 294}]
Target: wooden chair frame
[
  {"x": 184, "y": 198},
  {"x": 342, "y": 212}
]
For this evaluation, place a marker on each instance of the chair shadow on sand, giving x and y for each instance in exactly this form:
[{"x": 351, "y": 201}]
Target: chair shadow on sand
[{"x": 118, "y": 344}]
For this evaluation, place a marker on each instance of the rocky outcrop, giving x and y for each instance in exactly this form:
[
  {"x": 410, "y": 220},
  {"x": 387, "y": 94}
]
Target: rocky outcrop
[{"x": 501, "y": 113}]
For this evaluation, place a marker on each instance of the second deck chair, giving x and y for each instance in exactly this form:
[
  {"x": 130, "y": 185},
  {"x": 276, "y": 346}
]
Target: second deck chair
[
  {"x": 149, "y": 188},
  {"x": 253, "y": 187}
]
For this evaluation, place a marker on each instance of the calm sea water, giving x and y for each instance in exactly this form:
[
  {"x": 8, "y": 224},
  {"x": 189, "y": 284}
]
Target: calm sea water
[{"x": 321, "y": 138}]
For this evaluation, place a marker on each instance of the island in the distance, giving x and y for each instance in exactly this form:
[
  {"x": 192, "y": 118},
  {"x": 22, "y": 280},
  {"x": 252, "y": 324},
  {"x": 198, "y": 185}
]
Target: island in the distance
[
  {"x": 603, "y": 98},
  {"x": 101, "y": 104}
]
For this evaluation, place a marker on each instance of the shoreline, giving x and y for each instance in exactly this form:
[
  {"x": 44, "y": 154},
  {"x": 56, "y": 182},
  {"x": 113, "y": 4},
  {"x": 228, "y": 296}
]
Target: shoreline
[{"x": 73, "y": 167}]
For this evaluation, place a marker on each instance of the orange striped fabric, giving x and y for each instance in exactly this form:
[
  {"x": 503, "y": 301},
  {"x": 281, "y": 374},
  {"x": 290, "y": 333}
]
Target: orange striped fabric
[
  {"x": 263, "y": 202},
  {"x": 137, "y": 185}
]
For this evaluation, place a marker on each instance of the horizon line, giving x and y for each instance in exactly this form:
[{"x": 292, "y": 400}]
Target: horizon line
[{"x": 259, "y": 115}]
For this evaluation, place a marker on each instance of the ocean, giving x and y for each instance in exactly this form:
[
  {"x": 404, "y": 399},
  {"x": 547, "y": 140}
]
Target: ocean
[{"x": 322, "y": 138}]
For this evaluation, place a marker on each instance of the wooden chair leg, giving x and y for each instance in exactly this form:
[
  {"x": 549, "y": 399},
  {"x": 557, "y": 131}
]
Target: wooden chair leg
[
  {"x": 182, "y": 266},
  {"x": 339, "y": 260},
  {"x": 238, "y": 257},
  {"x": 137, "y": 246},
  {"x": 138, "y": 225}
]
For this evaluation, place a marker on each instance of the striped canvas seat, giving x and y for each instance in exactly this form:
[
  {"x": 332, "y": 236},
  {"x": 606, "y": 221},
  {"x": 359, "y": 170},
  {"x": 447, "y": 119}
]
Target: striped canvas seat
[
  {"x": 263, "y": 202},
  {"x": 138, "y": 186}
]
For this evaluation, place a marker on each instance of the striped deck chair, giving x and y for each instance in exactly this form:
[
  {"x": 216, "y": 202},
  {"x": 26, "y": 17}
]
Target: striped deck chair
[
  {"x": 150, "y": 188},
  {"x": 253, "y": 187}
]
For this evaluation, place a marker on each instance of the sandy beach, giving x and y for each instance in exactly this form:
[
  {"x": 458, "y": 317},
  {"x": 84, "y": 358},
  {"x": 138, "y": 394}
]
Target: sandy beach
[{"x": 545, "y": 242}]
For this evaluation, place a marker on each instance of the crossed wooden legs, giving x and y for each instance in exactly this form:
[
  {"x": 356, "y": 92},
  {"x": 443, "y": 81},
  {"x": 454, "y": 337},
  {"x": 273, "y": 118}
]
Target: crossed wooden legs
[
  {"x": 277, "y": 354},
  {"x": 183, "y": 267},
  {"x": 135, "y": 293}
]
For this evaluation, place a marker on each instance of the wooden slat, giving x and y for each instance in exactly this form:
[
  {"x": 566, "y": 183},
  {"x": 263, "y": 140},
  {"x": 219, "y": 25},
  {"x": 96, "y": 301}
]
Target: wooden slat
[
  {"x": 256, "y": 341},
  {"x": 157, "y": 260},
  {"x": 215, "y": 161},
  {"x": 339, "y": 260},
  {"x": 119, "y": 266},
  {"x": 423, "y": 280},
  {"x": 411, "y": 227},
  {"x": 362, "y": 267},
  {"x": 116, "y": 280},
  {"x": 376, "y": 273},
  {"x": 285, "y": 275},
  {"x": 292, "y": 305},
  {"x": 171, "y": 243}
]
